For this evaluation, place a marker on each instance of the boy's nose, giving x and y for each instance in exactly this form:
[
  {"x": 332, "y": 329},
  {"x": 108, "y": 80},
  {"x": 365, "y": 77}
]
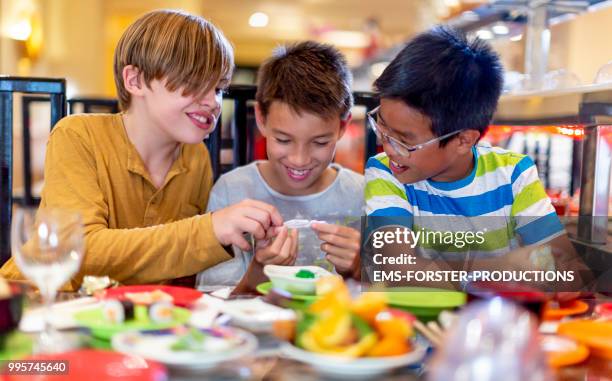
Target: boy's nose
[
  {"x": 210, "y": 100},
  {"x": 299, "y": 158}
]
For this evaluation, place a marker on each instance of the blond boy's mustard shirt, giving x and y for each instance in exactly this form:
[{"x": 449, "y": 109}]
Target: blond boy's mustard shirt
[{"x": 134, "y": 232}]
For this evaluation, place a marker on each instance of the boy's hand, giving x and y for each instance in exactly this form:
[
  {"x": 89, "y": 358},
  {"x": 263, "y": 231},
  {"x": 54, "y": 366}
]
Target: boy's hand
[
  {"x": 248, "y": 216},
  {"x": 283, "y": 251},
  {"x": 342, "y": 245}
]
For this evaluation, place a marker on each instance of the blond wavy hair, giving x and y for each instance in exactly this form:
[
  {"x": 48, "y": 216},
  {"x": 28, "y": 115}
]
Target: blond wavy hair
[{"x": 185, "y": 50}]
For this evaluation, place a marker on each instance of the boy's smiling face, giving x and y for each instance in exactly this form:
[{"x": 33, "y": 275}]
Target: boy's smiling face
[
  {"x": 183, "y": 118},
  {"x": 299, "y": 147},
  {"x": 411, "y": 127}
]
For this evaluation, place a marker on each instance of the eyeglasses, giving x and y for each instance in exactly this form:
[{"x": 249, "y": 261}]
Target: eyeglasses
[{"x": 399, "y": 147}]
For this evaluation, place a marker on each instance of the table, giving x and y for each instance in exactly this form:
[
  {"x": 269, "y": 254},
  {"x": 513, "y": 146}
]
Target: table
[{"x": 267, "y": 365}]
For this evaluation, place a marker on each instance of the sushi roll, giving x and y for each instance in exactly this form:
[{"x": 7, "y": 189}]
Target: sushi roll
[
  {"x": 161, "y": 312},
  {"x": 118, "y": 311}
]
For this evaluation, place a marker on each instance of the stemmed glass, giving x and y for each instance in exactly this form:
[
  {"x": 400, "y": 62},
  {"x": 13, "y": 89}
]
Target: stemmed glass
[{"x": 47, "y": 246}]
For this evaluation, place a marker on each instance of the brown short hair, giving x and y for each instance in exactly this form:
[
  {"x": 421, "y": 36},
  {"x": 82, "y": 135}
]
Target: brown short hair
[
  {"x": 184, "y": 49},
  {"x": 308, "y": 76}
]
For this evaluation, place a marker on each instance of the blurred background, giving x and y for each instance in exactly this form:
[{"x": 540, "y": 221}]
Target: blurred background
[
  {"x": 545, "y": 46},
  {"x": 75, "y": 39}
]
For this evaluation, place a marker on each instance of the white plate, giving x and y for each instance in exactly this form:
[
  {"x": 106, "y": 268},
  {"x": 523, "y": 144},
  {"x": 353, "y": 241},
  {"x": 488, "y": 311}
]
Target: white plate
[
  {"x": 255, "y": 314},
  {"x": 353, "y": 367},
  {"x": 284, "y": 277},
  {"x": 155, "y": 345}
]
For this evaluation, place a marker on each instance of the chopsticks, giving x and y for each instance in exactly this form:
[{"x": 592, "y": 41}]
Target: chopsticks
[{"x": 431, "y": 331}]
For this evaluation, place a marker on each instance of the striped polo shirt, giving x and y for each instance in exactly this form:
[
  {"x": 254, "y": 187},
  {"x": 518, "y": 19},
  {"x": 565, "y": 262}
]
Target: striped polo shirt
[{"x": 502, "y": 198}]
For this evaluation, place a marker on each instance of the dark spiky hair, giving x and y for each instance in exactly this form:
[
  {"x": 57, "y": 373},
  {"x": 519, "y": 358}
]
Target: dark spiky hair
[{"x": 453, "y": 81}]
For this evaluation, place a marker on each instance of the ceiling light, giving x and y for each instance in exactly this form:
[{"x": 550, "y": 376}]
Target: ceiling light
[
  {"x": 500, "y": 29},
  {"x": 258, "y": 20},
  {"x": 345, "y": 38},
  {"x": 518, "y": 37},
  {"x": 20, "y": 30},
  {"x": 484, "y": 34}
]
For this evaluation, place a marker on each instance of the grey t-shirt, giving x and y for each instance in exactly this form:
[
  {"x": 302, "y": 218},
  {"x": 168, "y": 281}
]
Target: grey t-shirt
[{"x": 341, "y": 203}]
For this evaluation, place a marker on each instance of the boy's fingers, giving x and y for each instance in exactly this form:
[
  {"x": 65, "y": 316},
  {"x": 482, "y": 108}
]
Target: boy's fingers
[
  {"x": 279, "y": 241},
  {"x": 264, "y": 256},
  {"x": 325, "y": 227},
  {"x": 248, "y": 225},
  {"x": 344, "y": 231},
  {"x": 272, "y": 212},
  {"x": 285, "y": 252},
  {"x": 256, "y": 214},
  {"x": 273, "y": 231},
  {"x": 338, "y": 241},
  {"x": 339, "y": 262},
  {"x": 241, "y": 243},
  {"x": 337, "y": 251},
  {"x": 295, "y": 244}
]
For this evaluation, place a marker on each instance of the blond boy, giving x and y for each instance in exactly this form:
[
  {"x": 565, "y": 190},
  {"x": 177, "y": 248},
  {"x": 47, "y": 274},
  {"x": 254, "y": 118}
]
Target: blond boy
[{"x": 141, "y": 178}]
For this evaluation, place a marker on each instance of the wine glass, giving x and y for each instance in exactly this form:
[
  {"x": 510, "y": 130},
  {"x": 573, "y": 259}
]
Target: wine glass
[{"x": 47, "y": 246}]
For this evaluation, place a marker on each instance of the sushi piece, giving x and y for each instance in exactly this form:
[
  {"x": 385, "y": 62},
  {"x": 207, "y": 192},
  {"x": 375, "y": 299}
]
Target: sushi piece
[
  {"x": 161, "y": 312},
  {"x": 118, "y": 311}
]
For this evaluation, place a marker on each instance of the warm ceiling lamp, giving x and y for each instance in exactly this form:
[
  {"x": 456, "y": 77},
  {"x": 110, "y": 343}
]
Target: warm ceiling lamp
[{"x": 258, "y": 20}]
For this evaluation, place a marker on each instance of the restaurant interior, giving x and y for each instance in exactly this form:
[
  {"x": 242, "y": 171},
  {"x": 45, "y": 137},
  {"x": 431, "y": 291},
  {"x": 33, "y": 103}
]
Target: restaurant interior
[{"x": 56, "y": 59}]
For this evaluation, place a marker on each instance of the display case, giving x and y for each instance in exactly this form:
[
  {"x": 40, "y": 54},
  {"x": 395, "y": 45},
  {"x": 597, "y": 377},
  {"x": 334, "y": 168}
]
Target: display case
[{"x": 568, "y": 133}]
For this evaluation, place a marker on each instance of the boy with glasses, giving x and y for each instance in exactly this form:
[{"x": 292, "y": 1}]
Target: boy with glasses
[{"x": 437, "y": 99}]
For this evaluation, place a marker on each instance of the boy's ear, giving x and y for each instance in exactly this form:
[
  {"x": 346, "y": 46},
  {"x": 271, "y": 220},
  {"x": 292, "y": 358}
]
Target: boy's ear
[
  {"x": 343, "y": 123},
  {"x": 132, "y": 79},
  {"x": 467, "y": 139},
  {"x": 260, "y": 119}
]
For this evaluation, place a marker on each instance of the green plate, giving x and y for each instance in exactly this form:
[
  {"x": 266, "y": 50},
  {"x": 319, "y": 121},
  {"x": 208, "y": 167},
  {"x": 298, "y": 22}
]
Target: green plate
[
  {"x": 265, "y": 287},
  {"x": 422, "y": 297},
  {"x": 426, "y": 303},
  {"x": 102, "y": 329},
  {"x": 416, "y": 297},
  {"x": 15, "y": 345}
]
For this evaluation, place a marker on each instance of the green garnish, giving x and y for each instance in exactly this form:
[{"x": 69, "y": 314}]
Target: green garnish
[
  {"x": 305, "y": 274},
  {"x": 193, "y": 340}
]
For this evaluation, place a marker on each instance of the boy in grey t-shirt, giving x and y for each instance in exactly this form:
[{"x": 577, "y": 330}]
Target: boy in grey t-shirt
[
  {"x": 303, "y": 107},
  {"x": 340, "y": 203}
]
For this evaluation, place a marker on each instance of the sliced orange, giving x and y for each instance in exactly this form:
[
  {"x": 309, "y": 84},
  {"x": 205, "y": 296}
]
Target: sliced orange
[
  {"x": 388, "y": 324},
  {"x": 369, "y": 304},
  {"x": 389, "y": 346},
  {"x": 332, "y": 330}
]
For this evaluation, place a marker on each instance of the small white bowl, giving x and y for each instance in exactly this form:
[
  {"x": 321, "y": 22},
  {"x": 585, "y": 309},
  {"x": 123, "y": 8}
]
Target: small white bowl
[
  {"x": 283, "y": 277},
  {"x": 255, "y": 315}
]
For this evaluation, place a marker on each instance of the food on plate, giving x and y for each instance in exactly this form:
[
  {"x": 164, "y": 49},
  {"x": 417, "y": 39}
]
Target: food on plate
[
  {"x": 161, "y": 312},
  {"x": 337, "y": 325},
  {"x": 118, "y": 311},
  {"x": 305, "y": 274},
  {"x": 149, "y": 297},
  {"x": 191, "y": 340},
  {"x": 94, "y": 284},
  {"x": 209, "y": 340},
  {"x": 295, "y": 279}
]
